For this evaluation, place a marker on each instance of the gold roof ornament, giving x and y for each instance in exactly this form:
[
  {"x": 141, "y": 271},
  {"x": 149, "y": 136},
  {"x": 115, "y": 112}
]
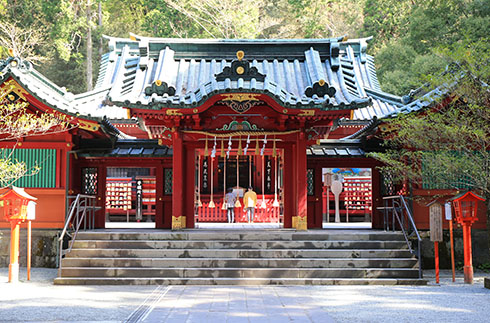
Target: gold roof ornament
[{"x": 240, "y": 54}]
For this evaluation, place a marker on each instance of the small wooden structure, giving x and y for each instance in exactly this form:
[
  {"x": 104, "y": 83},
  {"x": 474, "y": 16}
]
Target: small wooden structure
[{"x": 465, "y": 209}]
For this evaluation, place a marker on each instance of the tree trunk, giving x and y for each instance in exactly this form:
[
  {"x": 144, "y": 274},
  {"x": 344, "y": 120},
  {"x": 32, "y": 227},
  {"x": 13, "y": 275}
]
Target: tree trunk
[
  {"x": 89, "y": 47},
  {"x": 101, "y": 42},
  {"x": 487, "y": 197}
]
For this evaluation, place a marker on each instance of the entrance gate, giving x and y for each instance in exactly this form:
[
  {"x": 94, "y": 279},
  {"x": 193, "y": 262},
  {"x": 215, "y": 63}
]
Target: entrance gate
[{"x": 237, "y": 170}]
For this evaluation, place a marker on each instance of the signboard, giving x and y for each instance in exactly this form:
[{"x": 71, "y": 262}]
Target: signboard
[
  {"x": 139, "y": 199},
  {"x": 205, "y": 174},
  {"x": 435, "y": 213},
  {"x": 31, "y": 211},
  {"x": 447, "y": 211},
  {"x": 268, "y": 175}
]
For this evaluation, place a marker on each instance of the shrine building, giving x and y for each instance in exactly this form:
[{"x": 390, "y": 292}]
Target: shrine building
[{"x": 173, "y": 124}]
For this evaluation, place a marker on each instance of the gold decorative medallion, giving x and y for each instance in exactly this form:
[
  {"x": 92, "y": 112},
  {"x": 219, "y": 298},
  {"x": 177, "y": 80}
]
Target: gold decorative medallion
[
  {"x": 321, "y": 82},
  {"x": 173, "y": 112},
  {"x": 158, "y": 82},
  {"x": 240, "y": 70},
  {"x": 306, "y": 113},
  {"x": 240, "y": 97},
  {"x": 285, "y": 111},
  {"x": 12, "y": 88},
  {"x": 88, "y": 125},
  {"x": 195, "y": 110}
]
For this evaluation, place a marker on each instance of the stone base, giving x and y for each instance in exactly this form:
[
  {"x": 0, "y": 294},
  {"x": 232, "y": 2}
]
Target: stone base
[
  {"x": 486, "y": 283},
  {"x": 178, "y": 222},
  {"x": 43, "y": 251}
]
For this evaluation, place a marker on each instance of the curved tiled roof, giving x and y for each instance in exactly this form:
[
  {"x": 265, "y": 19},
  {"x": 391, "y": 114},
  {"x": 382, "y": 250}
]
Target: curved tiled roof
[
  {"x": 88, "y": 104},
  {"x": 289, "y": 66},
  {"x": 190, "y": 66}
]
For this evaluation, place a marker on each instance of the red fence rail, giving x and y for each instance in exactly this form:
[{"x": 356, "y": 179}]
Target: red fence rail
[{"x": 269, "y": 214}]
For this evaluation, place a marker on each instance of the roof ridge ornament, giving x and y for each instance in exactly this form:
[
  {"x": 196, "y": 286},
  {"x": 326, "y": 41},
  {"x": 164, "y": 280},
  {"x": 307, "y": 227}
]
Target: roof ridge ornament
[
  {"x": 159, "y": 88},
  {"x": 320, "y": 88},
  {"x": 240, "y": 68}
]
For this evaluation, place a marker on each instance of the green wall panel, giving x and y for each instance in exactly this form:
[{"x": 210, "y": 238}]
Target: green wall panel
[{"x": 44, "y": 158}]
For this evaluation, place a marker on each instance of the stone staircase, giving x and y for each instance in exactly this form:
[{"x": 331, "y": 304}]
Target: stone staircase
[{"x": 219, "y": 257}]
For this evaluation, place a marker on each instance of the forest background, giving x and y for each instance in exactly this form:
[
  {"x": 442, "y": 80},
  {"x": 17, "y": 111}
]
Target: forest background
[{"x": 63, "y": 38}]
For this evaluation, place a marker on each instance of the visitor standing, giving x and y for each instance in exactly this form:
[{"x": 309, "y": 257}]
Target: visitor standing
[
  {"x": 230, "y": 199},
  {"x": 249, "y": 202}
]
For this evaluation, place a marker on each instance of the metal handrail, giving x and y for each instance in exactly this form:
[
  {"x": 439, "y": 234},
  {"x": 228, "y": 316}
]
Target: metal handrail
[
  {"x": 403, "y": 216},
  {"x": 81, "y": 211}
]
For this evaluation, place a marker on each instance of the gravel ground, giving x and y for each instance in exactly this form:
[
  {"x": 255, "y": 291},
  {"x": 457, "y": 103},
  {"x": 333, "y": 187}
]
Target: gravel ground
[{"x": 39, "y": 300}]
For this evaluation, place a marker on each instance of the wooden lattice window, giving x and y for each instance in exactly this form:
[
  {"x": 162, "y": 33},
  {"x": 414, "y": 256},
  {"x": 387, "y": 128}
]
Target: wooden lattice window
[
  {"x": 168, "y": 174},
  {"x": 89, "y": 180},
  {"x": 310, "y": 181}
]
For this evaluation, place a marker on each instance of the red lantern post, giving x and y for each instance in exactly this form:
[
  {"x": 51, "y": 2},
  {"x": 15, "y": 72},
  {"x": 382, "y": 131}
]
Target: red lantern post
[
  {"x": 465, "y": 207},
  {"x": 15, "y": 203}
]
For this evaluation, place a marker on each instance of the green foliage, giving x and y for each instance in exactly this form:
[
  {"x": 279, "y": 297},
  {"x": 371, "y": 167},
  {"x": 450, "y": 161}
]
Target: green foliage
[
  {"x": 407, "y": 33},
  {"x": 447, "y": 146}
]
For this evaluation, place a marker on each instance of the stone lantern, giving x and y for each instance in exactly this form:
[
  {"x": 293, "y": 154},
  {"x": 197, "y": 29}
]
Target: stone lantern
[
  {"x": 465, "y": 207},
  {"x": 15, "y": 206}
]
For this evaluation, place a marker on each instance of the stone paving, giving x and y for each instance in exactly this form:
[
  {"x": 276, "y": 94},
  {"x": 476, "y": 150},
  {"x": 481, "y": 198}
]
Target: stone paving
[{"x": 40, "y": 301}]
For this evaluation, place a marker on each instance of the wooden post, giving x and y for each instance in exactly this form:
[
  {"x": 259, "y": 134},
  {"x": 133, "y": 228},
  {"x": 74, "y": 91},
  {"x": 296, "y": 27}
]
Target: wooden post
[
  {"x": 14, "y": 252},
  {"x": 29, "y": 242},
  {"x": 452, "y": 249},
  {"x": 436, "y": 253},
  {"x": 449, "y": 217},
  {"x": 435, "y": 211},
  {"x": 468, "y": 259}
]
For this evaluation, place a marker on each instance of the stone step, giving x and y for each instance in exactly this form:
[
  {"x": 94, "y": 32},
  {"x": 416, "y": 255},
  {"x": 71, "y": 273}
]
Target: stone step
[
  {"x": 224, "y": 244},
  {"x": 240, "y": 235},
  {"x": 212, "y": 273},
  {"x": 243, "y": 262},
  {"x": 236, "y": 281},
  {"x": 240, "y": 253}
]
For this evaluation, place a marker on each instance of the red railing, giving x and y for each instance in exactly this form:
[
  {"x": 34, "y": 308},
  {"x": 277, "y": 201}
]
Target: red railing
[{"x": 270, "y": 214}]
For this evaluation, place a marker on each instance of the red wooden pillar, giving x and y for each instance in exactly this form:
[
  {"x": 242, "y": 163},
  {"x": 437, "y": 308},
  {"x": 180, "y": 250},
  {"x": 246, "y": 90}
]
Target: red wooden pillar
[
  {"x": 161, "y": 219},
  {"x": 178, "y": 219},
  {"x": 377, "y": 201},
  {"x": 189, "y": 187},
  {"x": 101, "y": 192},
  {"x": 301, "y": 185},
  {"x": 468, "y": 258},
  {"x": 288, "y": 186}
]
